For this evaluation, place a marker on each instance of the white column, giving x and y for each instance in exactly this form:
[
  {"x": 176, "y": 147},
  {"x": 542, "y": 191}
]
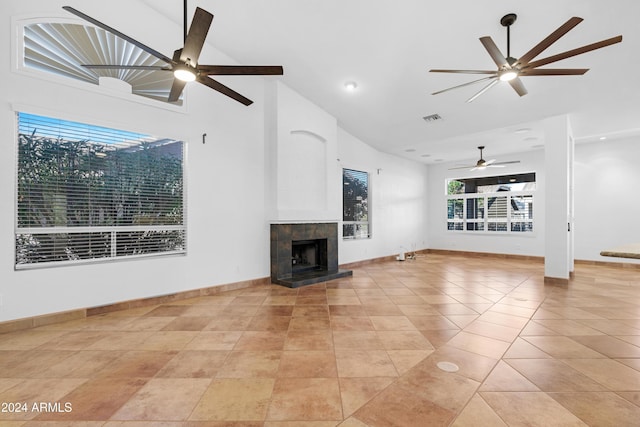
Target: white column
[{"x": 558, "y": 252}]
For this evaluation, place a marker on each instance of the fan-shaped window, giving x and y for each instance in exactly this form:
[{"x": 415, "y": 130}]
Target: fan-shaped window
[{"x": 63, "y": 48}]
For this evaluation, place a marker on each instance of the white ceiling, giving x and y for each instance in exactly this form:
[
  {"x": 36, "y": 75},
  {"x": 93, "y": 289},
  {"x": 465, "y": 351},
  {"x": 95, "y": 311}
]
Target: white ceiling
[{"x": 387, "y": 47}]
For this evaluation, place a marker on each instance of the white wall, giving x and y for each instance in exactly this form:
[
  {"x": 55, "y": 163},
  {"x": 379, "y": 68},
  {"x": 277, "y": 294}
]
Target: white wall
[
  {"x": 398, "y": 201},
  {"x": 301, "y": 146},
  {"x": 227, "y": 236},
  {"x": 232, "y": 185},
  {"x": 473, "y": 241},
  {"x": 607, "y": 208}
]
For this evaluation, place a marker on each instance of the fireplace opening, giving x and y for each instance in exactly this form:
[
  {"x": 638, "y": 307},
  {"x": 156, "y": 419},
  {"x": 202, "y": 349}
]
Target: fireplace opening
[{"x": 308, "y": 255}]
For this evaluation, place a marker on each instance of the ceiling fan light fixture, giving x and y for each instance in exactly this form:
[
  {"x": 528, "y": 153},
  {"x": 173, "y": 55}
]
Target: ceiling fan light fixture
[
  {"x": 184, "y": 73},
  {"x": 508, "y": 75}
]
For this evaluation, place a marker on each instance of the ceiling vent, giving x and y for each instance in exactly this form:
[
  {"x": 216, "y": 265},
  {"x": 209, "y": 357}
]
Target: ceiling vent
[{"x": 432, "y": 118}]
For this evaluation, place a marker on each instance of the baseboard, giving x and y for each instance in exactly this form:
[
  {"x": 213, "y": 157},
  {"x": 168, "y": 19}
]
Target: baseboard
[
  {"x": 485, "y": 255},
  {"x": 626, "y": 265},
  {"x": 65, "y": 316}
]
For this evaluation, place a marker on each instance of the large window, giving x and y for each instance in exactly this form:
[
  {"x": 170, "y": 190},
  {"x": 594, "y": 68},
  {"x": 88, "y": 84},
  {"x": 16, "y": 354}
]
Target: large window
[
  {"x": 501, "y": 204},
  {"x": 355, "y": 204},
  {"x": 87, "y": 193}
]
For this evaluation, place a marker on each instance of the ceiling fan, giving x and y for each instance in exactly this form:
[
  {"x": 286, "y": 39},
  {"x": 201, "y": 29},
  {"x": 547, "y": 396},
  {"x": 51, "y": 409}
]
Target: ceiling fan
[
  {"x": 483, "y": 164},
  {"x": 184, "y": 63},
  {"x": 511, "y": 69}
]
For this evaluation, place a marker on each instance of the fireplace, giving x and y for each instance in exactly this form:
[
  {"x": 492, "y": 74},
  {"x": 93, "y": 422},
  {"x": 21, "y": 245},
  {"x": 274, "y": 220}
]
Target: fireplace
[{"x": 304, "y": 254}]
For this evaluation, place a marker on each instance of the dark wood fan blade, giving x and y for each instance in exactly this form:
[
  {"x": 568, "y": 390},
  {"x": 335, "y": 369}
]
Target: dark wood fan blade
[
  {"x": 244, "y": 70},
  {"x": 117, "y": 33},
  {"x": 574, "y": 52},
  {"x": 517, "y": 85},
  {"x": 208, "y": 81},
  {"x": 127, "y": 67},
  {"x": 196, "y": 36},
  {"x": 483, "y": 90},
  {"x": 464, "y": 71},
  {"x": 495, "y": 53},
  {"x": 463, "y": 85},
  {"x": 176, "y": 89},
  {"x": 553, "y": 71},
  {"x": 551, "y": 38}
]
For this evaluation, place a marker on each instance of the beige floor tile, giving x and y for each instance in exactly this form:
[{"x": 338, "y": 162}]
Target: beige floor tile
[
  {"x": 610, "y": 373},
  {"x": 235, "y": 399},
  {"x": 214, "y": 340},
  {"x": 478, "y": 344},
  {"x": 357, "y": 340},
  {"x": 364, "y": 363},
  {"x": 307, "y": 364},
  {"x": 531, "y": 409},
  {"x": 521, "y": 349},
  {"x": 356, "y": 392},
  {"x": 492, "y": 330},
  {"x": 404, "y": 340},
  {"x": 168, "y": 399},
  {"x": 306, "y": 399},
  {"x": 250, "y": 364},
  {"x": 392, "y": 323},
  {"x": 261, "y": 340},
  {"x": 402, "y": 406},
  {"x": 403, "y": 360},
  {"x": 505, "y": 378},
  {"x": 351, "y": 323},
  {"x": 609, "y": 346},
  {"x": 562, "y": 347},
  {"x": 478, "y": 413},
  {"x": 600, "y": 409},
  {"x": 168, "y": 340},
  {"x": 309, "y": 340},
  {"x": 194, "y": 364}
]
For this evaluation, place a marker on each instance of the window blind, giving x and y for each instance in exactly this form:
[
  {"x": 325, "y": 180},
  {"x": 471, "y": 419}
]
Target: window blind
[
  {"x": 355, "y": 204},
  {"x": 88, "y": 192}
]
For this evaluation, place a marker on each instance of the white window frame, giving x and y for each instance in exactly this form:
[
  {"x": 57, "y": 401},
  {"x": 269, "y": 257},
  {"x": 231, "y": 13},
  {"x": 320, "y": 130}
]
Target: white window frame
[
  {"x": 112, "y": 230},
  {"x": 508, "y": 220},
  {"x": 358, "y": 224}
]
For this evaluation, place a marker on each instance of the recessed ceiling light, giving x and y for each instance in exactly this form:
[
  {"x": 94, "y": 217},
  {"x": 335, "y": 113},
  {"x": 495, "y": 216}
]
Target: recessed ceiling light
[
  {"x": 410, "y": 150},
  {"x": 602, "y": 138},
  {"x": 350, "y": 86},
  {"x": 523, "y": 130},
  {"x": 537, "y": 146},
  {"x": 425, "y": 155},
  {"x": 531, "y": 138}
]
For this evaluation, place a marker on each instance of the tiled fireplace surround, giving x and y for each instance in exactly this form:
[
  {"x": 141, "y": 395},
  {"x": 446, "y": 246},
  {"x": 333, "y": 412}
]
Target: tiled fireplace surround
[{"x": 324, "y": 235}]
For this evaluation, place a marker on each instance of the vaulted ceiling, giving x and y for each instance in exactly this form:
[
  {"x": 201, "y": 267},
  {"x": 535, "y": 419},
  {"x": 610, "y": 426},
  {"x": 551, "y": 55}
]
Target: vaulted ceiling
[{"x": 387, "y": 48}]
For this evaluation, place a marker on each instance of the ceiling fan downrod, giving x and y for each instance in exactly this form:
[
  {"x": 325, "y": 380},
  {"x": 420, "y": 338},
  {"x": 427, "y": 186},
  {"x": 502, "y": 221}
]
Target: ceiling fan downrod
[
  {"x": 507, "y": 21},
  {"x": 184, "y": 22}
]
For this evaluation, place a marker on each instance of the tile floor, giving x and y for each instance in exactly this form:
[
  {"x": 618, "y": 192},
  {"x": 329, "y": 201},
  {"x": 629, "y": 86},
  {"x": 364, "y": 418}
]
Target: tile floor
[{"x": 360, "y": 351}]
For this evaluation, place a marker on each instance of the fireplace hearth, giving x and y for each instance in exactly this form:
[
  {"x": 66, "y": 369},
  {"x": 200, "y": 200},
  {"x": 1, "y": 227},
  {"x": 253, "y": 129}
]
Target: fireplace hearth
[{"x": 304, "y": 254}]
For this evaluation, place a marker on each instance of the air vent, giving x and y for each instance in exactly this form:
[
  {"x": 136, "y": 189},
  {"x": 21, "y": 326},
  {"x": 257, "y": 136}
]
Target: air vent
[{"x": 432, "y": 118}]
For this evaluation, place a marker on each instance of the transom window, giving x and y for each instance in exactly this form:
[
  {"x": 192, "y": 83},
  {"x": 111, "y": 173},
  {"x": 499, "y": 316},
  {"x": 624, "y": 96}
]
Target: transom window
[
  {"x": 87, "y": 193},
  {"x": 501, "y": 204}
]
